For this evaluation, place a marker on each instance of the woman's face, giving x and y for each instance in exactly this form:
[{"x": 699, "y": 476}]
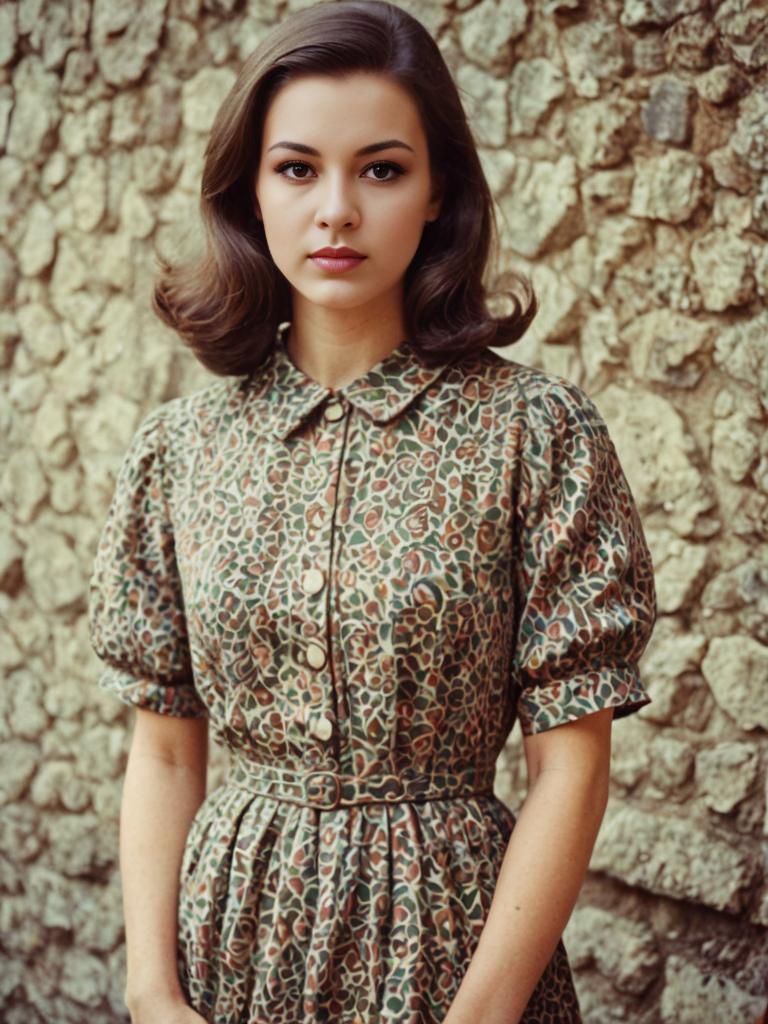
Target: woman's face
[{"x": 375, "y": 202}]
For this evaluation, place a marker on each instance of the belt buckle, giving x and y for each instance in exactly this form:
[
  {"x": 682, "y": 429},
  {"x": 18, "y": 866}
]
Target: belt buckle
[{"x": 310, "y": 787}]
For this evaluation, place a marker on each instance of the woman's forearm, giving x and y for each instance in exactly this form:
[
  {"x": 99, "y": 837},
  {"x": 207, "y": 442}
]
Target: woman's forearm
[
  {"x": 538, "y": 885},
  {"x": 158, "y": 803}
]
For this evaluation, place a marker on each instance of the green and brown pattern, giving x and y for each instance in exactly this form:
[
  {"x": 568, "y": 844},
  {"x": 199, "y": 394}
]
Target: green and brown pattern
[{"x": 475, "y": 557}]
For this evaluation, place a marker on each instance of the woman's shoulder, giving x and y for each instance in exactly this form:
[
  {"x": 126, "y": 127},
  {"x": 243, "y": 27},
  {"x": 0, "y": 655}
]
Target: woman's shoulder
[
  {"x": 199, "y": 413},
  {"x": 538, "y": 398}
]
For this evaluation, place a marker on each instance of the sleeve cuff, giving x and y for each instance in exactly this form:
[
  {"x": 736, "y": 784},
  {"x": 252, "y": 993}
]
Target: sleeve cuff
[
  {"x": 544, "y": 706},
  {"x": 180, "y": 700}
]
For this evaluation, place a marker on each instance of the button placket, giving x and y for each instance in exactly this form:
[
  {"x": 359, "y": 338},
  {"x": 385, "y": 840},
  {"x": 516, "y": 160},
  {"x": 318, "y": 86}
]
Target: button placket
[{"x": 320, "y": 724}]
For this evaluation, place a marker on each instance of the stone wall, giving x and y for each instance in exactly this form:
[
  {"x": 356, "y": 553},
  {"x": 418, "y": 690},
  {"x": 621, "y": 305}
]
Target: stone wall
[{"x": 627, "y": 144}]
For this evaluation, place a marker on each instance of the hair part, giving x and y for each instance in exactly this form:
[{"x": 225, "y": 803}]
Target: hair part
[{"x": 227, "y": 302}]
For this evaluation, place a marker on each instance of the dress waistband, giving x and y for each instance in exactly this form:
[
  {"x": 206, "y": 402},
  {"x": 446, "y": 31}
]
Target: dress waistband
[{"x": 327, "y": 790}]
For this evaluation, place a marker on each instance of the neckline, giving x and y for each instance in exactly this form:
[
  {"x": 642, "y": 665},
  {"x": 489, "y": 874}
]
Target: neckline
[
  {"x": 382, "y": 392},
  {"x": 391, "y": 360}
]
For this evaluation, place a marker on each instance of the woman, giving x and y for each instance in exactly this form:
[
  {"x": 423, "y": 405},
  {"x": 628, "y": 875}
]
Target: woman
[{"x": 360, "y": 556}]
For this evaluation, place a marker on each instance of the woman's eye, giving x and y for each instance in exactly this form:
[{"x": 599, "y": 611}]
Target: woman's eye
[
  {"x": 388, "y": 165},
  {"x": 385, "y": 164},
  {"x": 293, "y": 163}
]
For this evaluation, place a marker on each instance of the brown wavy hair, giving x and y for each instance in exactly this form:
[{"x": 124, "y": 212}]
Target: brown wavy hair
[{"x": 227, "y": 302}]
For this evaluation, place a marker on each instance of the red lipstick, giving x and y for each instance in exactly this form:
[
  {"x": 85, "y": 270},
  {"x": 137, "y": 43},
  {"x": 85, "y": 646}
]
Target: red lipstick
[{"x": 336, "y": 260}]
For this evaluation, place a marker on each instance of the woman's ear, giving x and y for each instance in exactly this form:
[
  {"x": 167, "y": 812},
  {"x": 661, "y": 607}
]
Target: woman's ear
[{"x": 433, "y": 210}]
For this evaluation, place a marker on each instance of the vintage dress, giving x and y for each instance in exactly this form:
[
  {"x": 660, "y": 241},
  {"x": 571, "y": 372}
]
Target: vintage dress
[{"x": 375, "y": 581}]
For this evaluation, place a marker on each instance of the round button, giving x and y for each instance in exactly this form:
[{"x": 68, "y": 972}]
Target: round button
[
  {"x": 313, "y": 581},
  {"x": 322, "y": 728},
  {"x": 315, "y": 655},
  {"x": 334, "y": 411}
]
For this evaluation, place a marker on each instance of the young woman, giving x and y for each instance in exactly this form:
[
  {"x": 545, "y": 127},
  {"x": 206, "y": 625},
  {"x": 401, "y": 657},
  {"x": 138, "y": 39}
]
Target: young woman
[{"x": 360, "y": 556}]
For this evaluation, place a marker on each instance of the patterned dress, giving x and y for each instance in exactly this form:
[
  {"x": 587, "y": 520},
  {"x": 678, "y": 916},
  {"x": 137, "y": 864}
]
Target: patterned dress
[{"x": 364, "y": 588}]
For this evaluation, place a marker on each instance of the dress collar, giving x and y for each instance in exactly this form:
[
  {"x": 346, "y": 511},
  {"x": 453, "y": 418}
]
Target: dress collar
[{"x": 382, "y": 392}]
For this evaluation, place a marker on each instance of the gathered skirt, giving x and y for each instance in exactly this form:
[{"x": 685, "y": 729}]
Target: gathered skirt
[{"x": 359, "y": 915}]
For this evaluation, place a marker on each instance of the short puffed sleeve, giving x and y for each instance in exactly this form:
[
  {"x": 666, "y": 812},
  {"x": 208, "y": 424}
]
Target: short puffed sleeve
[
  {"x": 584, "y": 584},
  {"x": 136, "y": 618}
]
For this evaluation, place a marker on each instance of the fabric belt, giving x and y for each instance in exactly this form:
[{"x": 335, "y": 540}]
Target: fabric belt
[{"x": 327, "y": 790}]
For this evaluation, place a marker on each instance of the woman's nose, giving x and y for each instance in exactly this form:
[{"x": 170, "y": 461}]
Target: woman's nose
[{"x": 337, "y": 204}]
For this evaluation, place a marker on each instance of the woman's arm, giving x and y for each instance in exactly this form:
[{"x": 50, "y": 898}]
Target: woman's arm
[
  {"x": 542, "y": 871},
  {"x": 165, "y": 783}
]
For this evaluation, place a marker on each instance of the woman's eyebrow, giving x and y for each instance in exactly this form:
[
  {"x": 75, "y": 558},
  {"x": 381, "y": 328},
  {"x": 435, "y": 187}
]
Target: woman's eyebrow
[{"x": 374, "y": 147}]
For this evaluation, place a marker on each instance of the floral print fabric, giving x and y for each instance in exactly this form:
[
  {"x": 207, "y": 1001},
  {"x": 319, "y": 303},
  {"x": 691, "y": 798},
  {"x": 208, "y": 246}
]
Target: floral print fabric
[{"x": 368, "y": 585}]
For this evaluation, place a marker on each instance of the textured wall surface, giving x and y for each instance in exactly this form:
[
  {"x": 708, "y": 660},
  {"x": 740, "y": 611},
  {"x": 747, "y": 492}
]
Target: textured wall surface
[{"x": 627, "y": 144}]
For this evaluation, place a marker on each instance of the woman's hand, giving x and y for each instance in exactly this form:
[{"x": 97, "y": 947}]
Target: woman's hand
[{"x": 163, "y": 1011}]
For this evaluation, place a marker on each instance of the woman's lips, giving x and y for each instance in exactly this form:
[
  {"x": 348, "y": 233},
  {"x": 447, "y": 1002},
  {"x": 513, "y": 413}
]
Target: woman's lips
[{"x": 337, "y": 264}]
